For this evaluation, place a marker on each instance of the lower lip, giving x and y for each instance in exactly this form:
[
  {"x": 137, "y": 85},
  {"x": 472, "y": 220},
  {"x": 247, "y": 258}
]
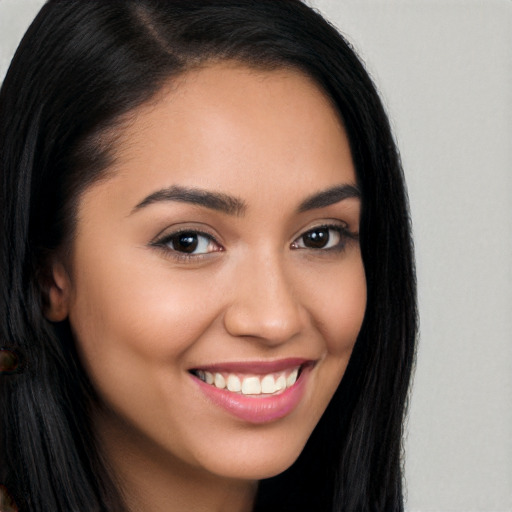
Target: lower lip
[{"x": 259, "y": 408}]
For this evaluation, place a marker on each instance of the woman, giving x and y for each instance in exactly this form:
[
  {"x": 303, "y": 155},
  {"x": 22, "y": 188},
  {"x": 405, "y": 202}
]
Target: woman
[{"x": 208, "y": 284}]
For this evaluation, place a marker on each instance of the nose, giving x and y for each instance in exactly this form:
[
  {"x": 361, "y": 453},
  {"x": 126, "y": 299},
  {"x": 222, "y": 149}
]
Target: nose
[{"x": 264, "y": 304}]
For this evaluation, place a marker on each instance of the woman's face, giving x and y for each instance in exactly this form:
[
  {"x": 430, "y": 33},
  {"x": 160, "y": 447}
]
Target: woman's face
[{"x": 221, "y": 251}]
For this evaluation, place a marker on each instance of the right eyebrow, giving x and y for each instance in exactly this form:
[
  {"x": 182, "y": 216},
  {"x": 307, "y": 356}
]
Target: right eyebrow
[
  {"x": 213, "y": 200},
  {"x": 330, "y": 196}
]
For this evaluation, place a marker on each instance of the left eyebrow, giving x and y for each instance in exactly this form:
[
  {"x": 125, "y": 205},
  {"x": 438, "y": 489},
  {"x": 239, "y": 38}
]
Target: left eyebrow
[{"x": 330, "y": 196}]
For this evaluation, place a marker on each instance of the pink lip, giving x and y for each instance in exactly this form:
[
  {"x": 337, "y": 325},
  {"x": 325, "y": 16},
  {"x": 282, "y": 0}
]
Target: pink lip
[
  {"x": 257, "y": 409},
  {"x": 256, "y": 367}
]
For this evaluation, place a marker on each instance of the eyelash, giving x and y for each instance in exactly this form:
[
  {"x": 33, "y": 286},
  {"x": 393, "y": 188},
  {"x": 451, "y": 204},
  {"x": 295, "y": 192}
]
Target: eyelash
[
  {"x": 163, "y": 243},
  {"x": 342, "y": 231},
  {"x": 345, "y": 235}
]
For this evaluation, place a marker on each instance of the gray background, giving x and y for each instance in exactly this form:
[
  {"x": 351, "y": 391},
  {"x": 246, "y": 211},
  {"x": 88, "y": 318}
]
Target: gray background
[{"x": 444, "y": 68}]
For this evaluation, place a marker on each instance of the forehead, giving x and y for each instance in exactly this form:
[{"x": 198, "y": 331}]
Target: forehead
[{"x": 238, "y": 130}]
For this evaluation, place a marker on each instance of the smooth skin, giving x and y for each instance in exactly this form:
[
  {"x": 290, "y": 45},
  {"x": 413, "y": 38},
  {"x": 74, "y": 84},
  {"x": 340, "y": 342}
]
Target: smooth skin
[{"x": 255, "y": 285}]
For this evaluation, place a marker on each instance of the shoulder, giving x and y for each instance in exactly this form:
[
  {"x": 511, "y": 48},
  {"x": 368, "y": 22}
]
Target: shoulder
[{"x": 6, "y": 502}]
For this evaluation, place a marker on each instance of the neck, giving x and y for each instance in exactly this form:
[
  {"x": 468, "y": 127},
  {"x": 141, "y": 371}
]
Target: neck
[{"x": 152, "y": 480}]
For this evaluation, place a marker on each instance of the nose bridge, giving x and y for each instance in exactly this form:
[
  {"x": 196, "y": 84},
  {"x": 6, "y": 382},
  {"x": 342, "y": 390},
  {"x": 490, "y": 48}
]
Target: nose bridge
[{"x": 264, "y": 302}]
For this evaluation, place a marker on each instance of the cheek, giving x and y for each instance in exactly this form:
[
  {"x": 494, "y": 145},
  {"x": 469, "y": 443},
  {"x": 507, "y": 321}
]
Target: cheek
[
  {"x": 337, "y": 303},
  {"x": 131, "y": 319},
  {"x": 339, "y": 299}
]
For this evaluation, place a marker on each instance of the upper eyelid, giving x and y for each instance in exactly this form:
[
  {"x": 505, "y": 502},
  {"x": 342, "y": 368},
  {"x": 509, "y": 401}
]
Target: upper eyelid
[
  {"x": 325, "y": 223},
  {"x": 342, "y": 228},
  {"x": 168, "y": 233}
]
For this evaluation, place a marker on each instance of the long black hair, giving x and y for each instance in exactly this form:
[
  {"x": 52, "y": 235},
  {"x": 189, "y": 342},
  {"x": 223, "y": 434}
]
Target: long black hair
[{"x": 81, "y": 68}]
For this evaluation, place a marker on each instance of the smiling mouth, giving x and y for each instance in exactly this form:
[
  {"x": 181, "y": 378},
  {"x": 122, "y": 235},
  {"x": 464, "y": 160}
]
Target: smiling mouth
[
  {"x": 268, "y": 384},
  {"x": 258, "y": 391},
  {"x": 253, "y": 380}
]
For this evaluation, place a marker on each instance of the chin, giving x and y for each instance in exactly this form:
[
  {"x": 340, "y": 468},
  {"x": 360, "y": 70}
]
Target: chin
[
  {"x": 263, "y": 455},
  {"x": 256, "y": 468}
]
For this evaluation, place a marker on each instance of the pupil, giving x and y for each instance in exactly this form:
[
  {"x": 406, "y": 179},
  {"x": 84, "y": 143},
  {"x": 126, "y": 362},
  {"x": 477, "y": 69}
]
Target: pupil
[
  {"x": 185, "y": 242},
  {"x": 316, "y": 239}
]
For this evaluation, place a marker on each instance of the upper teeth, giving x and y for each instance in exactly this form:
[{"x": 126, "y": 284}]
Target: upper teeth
[{"x": 251, "y": 385}]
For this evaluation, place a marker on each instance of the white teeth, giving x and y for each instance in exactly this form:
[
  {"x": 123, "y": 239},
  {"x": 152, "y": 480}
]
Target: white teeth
[
  {"x": 234, "y": 383},
  {"x": 251, "y": 386},
  {"x": 220, "y": 382},
  {"x": 281, "y": 382},
  {"x": 268, "y": 384},
  {"x": 292, "y": 378}
]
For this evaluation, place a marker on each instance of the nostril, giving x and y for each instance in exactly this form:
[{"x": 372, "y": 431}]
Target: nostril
[
  {"x": 263, "y": 319},
  {"x": 272, "y": 326}
]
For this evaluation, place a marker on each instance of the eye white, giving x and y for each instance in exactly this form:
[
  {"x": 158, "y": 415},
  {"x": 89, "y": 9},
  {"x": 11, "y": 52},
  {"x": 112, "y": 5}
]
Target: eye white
[{"x": 204, "y": 244}]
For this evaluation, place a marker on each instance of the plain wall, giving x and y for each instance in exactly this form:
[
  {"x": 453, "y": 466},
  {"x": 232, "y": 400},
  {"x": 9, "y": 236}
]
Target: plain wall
[{"x": 444, "y": 68}]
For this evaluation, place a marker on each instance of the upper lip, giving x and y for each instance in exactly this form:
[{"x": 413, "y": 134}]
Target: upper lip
[{"x": 256, "y": 366}]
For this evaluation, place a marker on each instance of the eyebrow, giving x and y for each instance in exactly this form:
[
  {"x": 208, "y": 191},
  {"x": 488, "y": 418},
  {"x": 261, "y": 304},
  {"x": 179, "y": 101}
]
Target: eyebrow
[
  {"x": 330, "y": 196},
  {"x": 231, "y": 205},
  {"x": 213, "y": 200}
]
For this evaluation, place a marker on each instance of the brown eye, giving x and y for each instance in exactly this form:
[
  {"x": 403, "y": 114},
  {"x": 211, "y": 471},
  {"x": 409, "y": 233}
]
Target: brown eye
[
  {"x": 189, "y": 243},
  {"x": 316, "y": 239},
  {"x": 184, "y": 242},
  {"x": 323, "y": 237}
]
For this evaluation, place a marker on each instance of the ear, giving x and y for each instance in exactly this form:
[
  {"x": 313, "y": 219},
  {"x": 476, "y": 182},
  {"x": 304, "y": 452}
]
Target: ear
[{"x": 58, "y": 292}]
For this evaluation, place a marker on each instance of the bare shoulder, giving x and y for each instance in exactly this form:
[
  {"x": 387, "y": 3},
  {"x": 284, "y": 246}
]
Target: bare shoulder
[{"x": 6, "y": 502}]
